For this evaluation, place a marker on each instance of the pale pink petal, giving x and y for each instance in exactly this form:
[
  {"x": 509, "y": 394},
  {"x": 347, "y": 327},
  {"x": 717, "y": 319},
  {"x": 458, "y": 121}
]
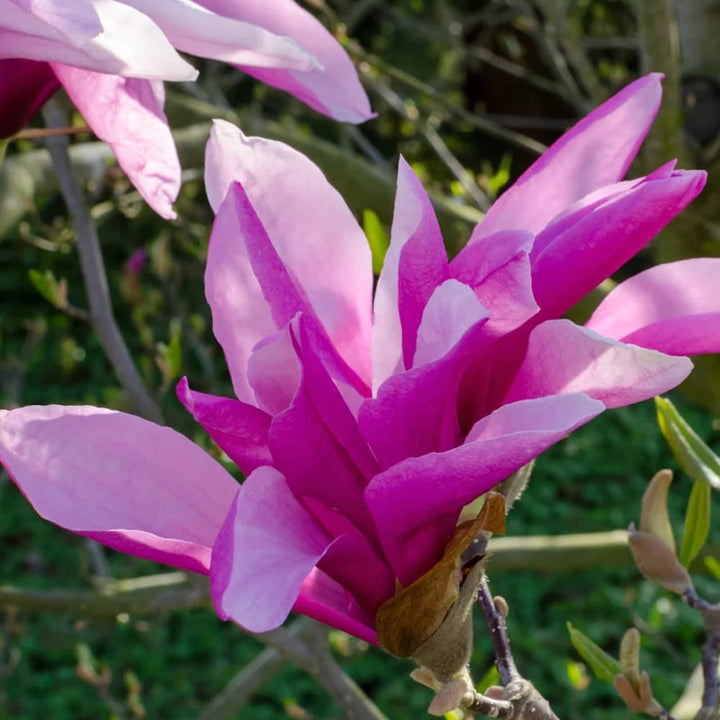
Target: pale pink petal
[
  {"x": 75, "y": 18},
  {"x": 309, "y": 227},
  {"x": 334, "y": 88},
  {"x": 265, "y": 550},
  {"x": 613, "y": 372},
  {"x": 239, "y": 429},
  {"x": 273, "y": 372},
  {"x": 130, "y": 44},
  {"x": 577, "y": 260},
  {"x": 453, "y": 308},
  {"x": 498, "y": 270},
  {"x": 249, "y": 286},
  {"x": 674, "y": 308},
  {"x": 194, "y": 29},
  {"x": 415, "y": 264},
  {"x": 141, "y": 488},
  {"x": 416, "y": 502},
  {"x": 595, "y": 152},
  {"x": 235, "y": 296},
  {"x": 128, "y": 114}
]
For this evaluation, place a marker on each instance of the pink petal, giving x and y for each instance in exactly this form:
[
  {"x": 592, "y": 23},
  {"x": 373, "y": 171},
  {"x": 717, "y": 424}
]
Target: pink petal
[
  {"x": 416, "y": 412},
  {"x": 273, "y": 372},
  {"x": 607, "y": 370},
  {"x": 75, "y": 18},
  {"x": 416, "y": 502},
  {"x": 130, "y": 44},
  {"x": 128, "y": 114},
  {"x": 415, "y": 264},
  {"x": 316, "y": 442},
  {"x": 498, "y": 270},
  {"x": 239, "y": 429},
  {"x": 325, "y": 600},
  {"x": 309, "y": 228},
  {"x": 333, "y": 88},
  {"x": 674, "y": 308},
  {"x": 590, "y": 250},
  {"x": 595, "y": 152},
  {"x": 452, "y": 310},
  {"x": 263, "y": 553},
  {"x": 25, "y": 85},
  {"x": 138, "y": 487},
  {"x": 197, "y": 30}
]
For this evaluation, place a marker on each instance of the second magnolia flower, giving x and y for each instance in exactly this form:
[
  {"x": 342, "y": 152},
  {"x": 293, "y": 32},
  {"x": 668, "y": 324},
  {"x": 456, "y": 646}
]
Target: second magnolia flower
[{"x": 364, "y": 425}]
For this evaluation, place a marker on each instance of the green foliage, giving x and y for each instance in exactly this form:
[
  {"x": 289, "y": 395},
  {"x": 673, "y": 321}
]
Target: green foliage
[
  {"x": 603, "y": 665},
  {"x": 692, "y": 454},
  {"x": 697, "y": 523}
]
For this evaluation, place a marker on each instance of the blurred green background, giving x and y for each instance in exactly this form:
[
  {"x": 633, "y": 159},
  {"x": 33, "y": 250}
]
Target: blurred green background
[{"x": 469, "y": 92}]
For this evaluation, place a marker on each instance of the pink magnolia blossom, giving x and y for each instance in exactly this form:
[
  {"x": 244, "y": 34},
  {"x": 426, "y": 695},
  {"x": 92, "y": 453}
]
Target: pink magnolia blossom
[
  {"x": 365, "y": 426},
  {"x": 111, "y": 57}
]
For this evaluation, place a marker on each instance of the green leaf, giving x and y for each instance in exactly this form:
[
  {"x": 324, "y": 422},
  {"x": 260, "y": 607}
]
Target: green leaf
[
  {"x": 377, "y": 237},
  {"x": 491, "y": 677},
  {"x": 713, "y": 566},
  {"x": 3, "y": 147},
  {"x": 691, "y": 453},
  {"x": 46, "y": 284},
  {"x": 603, "y": 665},
  {"x": 697, "y": 522}
]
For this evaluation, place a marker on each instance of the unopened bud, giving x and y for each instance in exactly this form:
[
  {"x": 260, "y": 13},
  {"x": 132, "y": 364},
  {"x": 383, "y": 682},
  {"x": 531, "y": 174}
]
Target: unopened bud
[
  {"x": 654, "y": 518},
  {"x": 657, "y": 562}
]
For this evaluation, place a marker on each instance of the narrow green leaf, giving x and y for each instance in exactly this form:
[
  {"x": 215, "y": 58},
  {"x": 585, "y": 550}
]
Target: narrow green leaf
[
  {"x": 713, "y": 566},
  {"x": 692, "y": 454},
  {"x": 697, "y": 522},
  {"x": 603, "y": 665},
  {"x": 377, "y": 237},
  {"x": 46, "y": 284},
  {"x": 491, "y": 677},
  {"x": 3, "y": 147}
]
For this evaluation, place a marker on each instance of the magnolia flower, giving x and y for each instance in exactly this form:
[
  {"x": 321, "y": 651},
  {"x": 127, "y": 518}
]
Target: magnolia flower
[
  {"x": 365, "y": 426},
  {"x": 111, "y": 57}
]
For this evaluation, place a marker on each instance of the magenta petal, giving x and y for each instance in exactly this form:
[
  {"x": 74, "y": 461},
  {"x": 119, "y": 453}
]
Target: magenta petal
[
  {"x": 263, "y": 553},
  {"x": 498, "y": 270},
  {"x": 415, "y": 264},
  {"x": 333, "y": 88},
  {"x": 595, "y": 152},
  {"x": 128, "y": 114},
  {"x": 239, "y": 429},
  {"x": 607, "y": 370},
  {"x": 25, "y": 85},
  {"x": 416, "y": 412},
  {"x": 138, "y": 487},
  {"x": 326, "y": 600},
  {"x": 416, "y": 502},
  {"x": 336, "y": 283},
  {"x": 674, "y": 308},
  {"x": 317, "y": 445},
  {"x": 577, "y": 260}
]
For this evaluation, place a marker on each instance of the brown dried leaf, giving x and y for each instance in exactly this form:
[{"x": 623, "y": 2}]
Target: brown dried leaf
[{"x": 408, "y": 619}]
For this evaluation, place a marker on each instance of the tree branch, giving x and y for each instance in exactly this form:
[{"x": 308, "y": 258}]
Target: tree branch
[{"x": 94, "y": 276}]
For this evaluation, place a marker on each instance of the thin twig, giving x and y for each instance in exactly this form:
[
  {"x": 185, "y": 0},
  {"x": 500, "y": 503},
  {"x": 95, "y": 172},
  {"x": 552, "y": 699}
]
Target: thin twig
[
  {"x": 313, "y": 656},
  {"x": 94, "y": 276},
  {"x": 498, "y": 635}
]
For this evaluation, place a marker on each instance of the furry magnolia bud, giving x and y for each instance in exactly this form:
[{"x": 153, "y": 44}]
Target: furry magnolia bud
[{"x": 657, "y": 562}]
